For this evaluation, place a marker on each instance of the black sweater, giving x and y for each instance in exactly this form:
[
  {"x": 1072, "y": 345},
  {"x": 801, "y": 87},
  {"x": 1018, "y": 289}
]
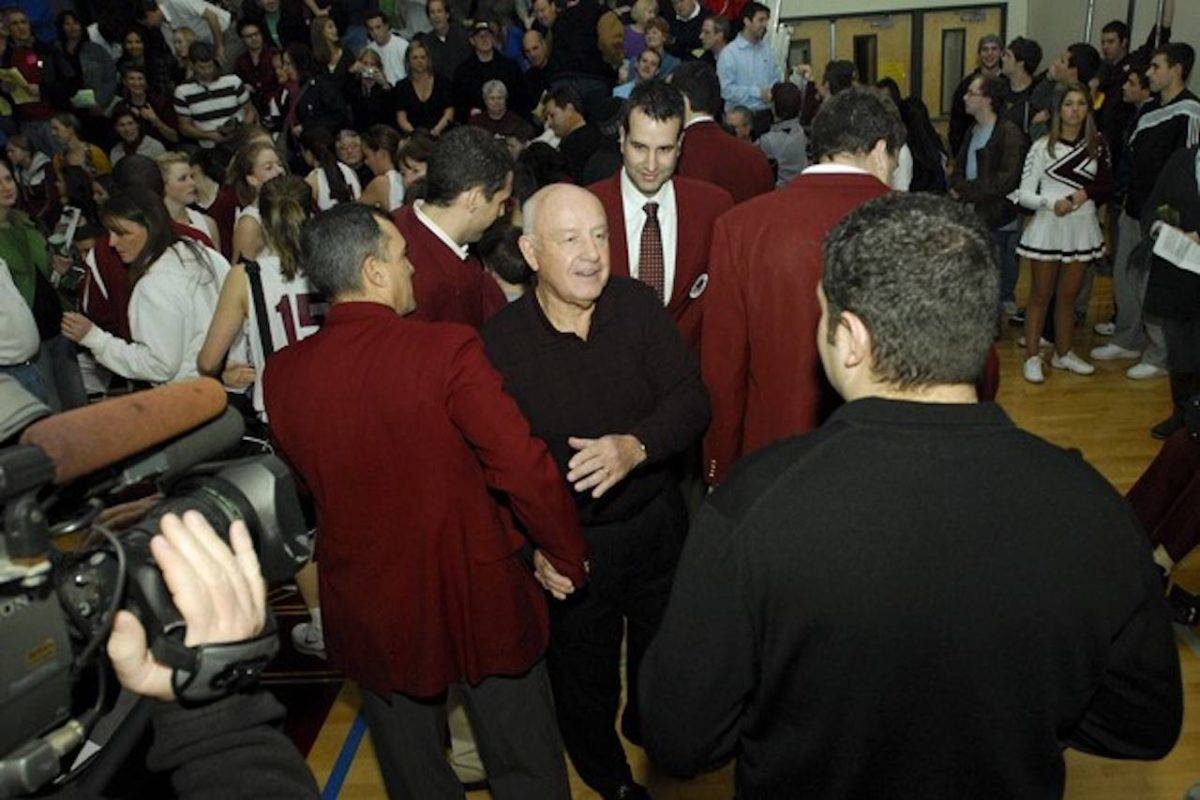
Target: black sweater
[
  {"x": 1174, "y": 293},
  {"x": 914, "y": 601},
  {"x": 633, "y": 375},
  {"x": 1151, "y": 146}
]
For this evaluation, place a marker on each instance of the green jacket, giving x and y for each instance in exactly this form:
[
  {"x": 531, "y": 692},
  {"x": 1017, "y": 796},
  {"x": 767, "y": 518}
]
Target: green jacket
[{"x": 24, "y": 249}]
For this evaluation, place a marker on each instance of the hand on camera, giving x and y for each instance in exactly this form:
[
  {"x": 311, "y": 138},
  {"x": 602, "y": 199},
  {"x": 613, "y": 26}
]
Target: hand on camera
[{"x": 220, "y": 593}]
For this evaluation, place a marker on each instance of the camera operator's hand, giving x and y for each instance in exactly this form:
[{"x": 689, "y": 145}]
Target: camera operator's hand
[{"x": 220, "y": 593}]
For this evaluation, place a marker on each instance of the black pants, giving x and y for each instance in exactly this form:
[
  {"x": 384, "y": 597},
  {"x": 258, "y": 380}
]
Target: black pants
[
  {"x": 633, "y": 564},
  {"x": 513, "y": 721}
]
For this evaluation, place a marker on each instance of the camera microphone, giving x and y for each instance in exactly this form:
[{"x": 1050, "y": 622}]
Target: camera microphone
[
  {"x": 86, "y": 439},
  {"x": 203, "y": 444}
]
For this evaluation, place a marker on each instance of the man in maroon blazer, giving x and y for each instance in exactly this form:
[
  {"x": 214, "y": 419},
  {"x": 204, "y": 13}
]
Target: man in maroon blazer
[
  {"x": 758, "y": 349},
  {"x": 402, "y": 432},
  {"x": 677, "y": 239},
  {"x": 709, "y": 153},
  {"x": 468, "y": 183}
]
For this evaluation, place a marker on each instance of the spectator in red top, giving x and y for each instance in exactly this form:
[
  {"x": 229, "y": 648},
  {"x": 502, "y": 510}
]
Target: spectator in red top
[
  {"x": 45, "y": 71},
  {"x": 255, "y": 66}
]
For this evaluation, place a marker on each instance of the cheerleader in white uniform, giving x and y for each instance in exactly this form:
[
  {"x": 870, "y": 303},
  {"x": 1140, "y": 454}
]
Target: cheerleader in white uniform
[
  {"x": 1067, "y": 174},
  {"x": 331, "y": 181},
  {"x": 381, "y": 147}
]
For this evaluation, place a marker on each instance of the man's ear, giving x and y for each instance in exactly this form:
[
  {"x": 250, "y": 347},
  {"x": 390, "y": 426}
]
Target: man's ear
[
  {"x": 529, "y": 251},
  {"x": 375, "y": 274},
  {"x": 860, "y": 342}
]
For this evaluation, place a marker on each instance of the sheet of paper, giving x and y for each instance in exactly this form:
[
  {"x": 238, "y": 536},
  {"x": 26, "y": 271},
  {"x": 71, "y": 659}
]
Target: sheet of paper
[
  {"x": 18, "y": 87},
  {"x": 1175, "y": 246}
]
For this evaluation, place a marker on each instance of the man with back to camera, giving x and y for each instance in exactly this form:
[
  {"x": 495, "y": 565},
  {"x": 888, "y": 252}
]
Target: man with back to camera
[
  {"x": 844, "y": 620},
  {"x": 757, "y": 350},
  {"x": 660, "y": 225},
  {"x": 468, "y": 183},
  {"x": 709, "y": 153},
  {"x": 404, "y": 435}
]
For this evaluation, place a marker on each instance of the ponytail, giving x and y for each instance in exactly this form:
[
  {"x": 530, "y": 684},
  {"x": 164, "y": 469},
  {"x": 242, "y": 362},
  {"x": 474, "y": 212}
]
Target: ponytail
[{"x": 285, "y": 203}]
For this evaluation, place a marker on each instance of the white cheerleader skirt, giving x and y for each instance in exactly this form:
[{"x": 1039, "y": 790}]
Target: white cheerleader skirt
[{"x": 1073, "y": 238}]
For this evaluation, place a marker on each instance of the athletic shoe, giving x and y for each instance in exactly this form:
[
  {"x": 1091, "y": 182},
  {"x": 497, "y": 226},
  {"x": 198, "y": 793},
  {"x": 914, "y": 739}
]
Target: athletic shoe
[
  {"x": 1142, "y": 371},
  {"x": 1105, "y": 328},
  {"x": 1041, "y": 341},
  {"x": 1017, "y": 318},
  {"x": 1072, "y": 363},
  {"x": 309, "y": 639},
  {"x": 1112, "y": 352},
  {"x": 1033, "y": 369}
]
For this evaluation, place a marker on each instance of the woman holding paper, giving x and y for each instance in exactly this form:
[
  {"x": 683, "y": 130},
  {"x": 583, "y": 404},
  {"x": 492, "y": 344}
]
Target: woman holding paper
[
  {"x": 1068, "y": 173},
  {"x": 1172, "y": 215}
]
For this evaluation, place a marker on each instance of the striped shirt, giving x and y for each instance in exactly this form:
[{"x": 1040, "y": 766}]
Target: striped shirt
[{"x": 211, "y": 105}]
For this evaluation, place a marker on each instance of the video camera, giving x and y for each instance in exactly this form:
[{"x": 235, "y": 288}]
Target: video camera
[{"x": 57, "y": 605}]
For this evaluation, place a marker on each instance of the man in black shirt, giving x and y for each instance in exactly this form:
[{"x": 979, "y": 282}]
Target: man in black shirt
[
  {"x": 868, "y": 611},
  {"x": 601, "y": 372},
  {"x": 578, "y": 140},
  {"x": 447, "y": 40},
  {"x": 1165, "y": 125},
  {"x": 586, "y": 37}
]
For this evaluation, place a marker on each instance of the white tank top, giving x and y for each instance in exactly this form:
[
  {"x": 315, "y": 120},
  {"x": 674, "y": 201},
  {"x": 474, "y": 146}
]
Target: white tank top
[
  {"x": 395, "y": 189},
  {"x": 324, "y": 200},
  {"x": 294, "y": 311}
]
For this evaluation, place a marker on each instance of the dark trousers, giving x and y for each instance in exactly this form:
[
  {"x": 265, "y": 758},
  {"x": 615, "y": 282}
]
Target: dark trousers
[
  {"x": 633, "y": 564},
  {"x": 1166, "y": 499},
  {"x": 513, "y": 721}
]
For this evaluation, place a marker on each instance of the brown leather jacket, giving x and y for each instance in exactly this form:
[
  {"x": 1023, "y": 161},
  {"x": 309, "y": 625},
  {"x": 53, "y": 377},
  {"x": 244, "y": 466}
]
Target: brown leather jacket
[{"x": 1000, "y": 164}]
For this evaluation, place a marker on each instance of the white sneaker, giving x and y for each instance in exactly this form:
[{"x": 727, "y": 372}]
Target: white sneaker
[
  {"x": 1111, "y": 352},
  {"x": 1041, "y": 341},
  {"x": 1142, "y": 371},
  {"x": 309, "y": 639},
  {"x": 1105, "y": 328},
  {"x": 1033, "y": 369},
  {"x": 1072, "y": 363}
]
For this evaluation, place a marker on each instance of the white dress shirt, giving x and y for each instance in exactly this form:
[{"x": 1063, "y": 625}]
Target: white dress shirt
[
  {"x": 459, "y": 250},
  {"x": 633, "y": 203}
]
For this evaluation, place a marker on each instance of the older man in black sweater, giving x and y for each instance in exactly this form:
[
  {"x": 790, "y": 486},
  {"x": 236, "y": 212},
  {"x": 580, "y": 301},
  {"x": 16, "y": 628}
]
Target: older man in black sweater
[
  {"x": 919, "y": 600},
  {"x": 602, "y": 373}
]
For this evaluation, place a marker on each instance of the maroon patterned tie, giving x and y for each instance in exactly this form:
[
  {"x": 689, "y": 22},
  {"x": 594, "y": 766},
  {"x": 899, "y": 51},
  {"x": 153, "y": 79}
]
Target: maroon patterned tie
[{"x": 650, "y": 261}]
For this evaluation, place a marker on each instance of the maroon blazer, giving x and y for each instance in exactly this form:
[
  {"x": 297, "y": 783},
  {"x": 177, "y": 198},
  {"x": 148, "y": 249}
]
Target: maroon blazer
[
  {"x": 758, "y": 350},
  {"x": 698, "y": 204},
  {"x": 710, "y": 154},
  {"x": 402, "y": 431},
  {"x": 446, "y": 288}
]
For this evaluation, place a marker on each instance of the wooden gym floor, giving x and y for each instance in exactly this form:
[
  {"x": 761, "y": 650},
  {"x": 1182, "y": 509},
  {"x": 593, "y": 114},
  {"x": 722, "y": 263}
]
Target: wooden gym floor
[{"x": 1106, "y": 416}]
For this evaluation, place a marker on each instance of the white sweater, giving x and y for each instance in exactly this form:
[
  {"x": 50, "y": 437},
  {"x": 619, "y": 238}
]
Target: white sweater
[
  {"x": 169, "y": 313},
  {"x": 19, "y": 339}
]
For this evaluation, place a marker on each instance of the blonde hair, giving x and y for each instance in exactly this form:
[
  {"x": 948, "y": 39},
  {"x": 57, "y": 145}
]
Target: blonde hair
[
  {"x": 285, "y": 203},
  {"x": 1089, "y": 124},
  {"x": 167, "y": 160}
]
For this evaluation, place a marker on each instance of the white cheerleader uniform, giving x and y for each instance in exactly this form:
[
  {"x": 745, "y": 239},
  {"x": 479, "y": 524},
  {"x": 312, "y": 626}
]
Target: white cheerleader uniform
[
  {"x": 1052, "y": 176},
  {"x": 325, "y": 200}
]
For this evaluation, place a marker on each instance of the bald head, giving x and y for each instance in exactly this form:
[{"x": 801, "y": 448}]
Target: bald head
[
  {"x": 566, "y": 243},
  {"x": 536, "y": 50}
]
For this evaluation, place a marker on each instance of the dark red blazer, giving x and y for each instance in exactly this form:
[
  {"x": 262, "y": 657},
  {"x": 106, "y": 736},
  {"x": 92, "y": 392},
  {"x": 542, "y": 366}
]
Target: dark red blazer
[
  {"x": 402, "y": 431},
  {"x": 698, "y": 205},
  {"x": 710, "y": 154},
  {"x": 446, "y": 288},
  {"x": 104, "y": 294},
  {"x": 758, "y": 351}
]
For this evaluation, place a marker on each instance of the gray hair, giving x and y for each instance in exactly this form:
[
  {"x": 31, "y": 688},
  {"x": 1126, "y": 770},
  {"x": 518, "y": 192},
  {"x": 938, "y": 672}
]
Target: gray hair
[
  {"x": 495, "y": 86},
  {"x": 335, "y": 243}
]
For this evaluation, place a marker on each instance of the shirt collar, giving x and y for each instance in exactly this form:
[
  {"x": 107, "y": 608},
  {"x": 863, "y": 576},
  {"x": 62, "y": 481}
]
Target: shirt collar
[
  {"x": 458, "y": 249},
  {"x": 834, "y": 169},
  {"x": 879, "y": 410},
  {"x": 695, "y": 13},
  {"x": 633, "y": 202},
  {"x": 696, "y": 120}
]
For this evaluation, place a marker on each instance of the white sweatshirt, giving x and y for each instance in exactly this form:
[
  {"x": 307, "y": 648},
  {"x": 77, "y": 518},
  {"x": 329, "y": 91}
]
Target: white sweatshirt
[
  {"x": 19, "y": 339},
  {"x": 169, "y": 313}
]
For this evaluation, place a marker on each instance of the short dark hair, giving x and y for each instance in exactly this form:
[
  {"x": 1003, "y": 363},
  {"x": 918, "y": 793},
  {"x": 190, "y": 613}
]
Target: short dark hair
[
  {"x": 1119, "y": 28},
  {"x": 248, "y": 22},
  {"x": 200, "y": 52},
  {"x": 752, "y": 9},
  {"x": 463, "y": 159},
  {"x": 131, "y": 67},
  {"x": 334, "y": 244},
  {"x": 137, "y": 171},
  {"x": 839, "y": 75},
  {"x": 854, "y": 121},
  {"x": 721, "y": 23},
  {"x": 1026, "y": 52},
  {"x": 499, "y": 252},
  {"x": 1178, "y": 53},
  {"x": 372, "y": 13},
  {"x": 1137, "y": 71},
  {"x": 787, "y": 99},
  {"x": 655, "y": 98},
  {"x": 1085, "y": 59},
  {"x": 698, "y": 82},
  {"x": 920, "y": 271},
  {"x": 994, "y": 89},
  {"x": 564, "y": 95}
]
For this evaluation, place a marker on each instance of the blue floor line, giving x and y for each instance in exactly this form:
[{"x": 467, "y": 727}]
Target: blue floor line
[{"x": 345, "y": 758}]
